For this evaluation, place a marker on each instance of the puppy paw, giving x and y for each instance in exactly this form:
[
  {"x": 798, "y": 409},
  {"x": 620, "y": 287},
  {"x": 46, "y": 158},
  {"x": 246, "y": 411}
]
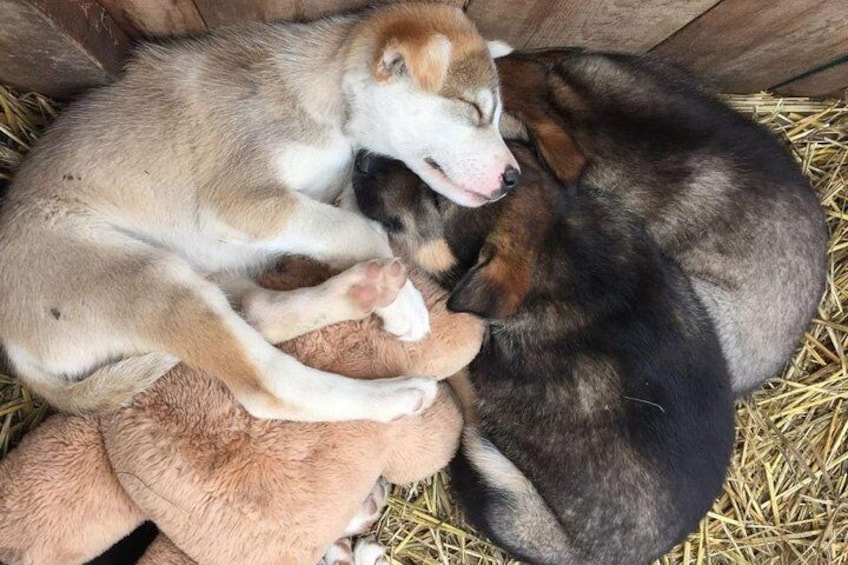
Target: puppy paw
[
  {"x": 403, "y": 396},
  {"x": 340, "y": 553},
  {"x": 369, "y": 552},
  {"x": 370, "y": 511},
  {"x": 371, "y": 285},
  {"x": 407, "y": 317}
]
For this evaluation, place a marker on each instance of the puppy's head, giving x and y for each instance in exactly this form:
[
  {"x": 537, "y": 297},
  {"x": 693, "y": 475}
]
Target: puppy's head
[
  {"x": 486, "y": 255},
  {"x": 431, "y": 99}
]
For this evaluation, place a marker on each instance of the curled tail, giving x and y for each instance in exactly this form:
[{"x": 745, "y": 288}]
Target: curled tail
[
  {"x": 500, "y": 500},
  {"x": 105, "y": 389}
]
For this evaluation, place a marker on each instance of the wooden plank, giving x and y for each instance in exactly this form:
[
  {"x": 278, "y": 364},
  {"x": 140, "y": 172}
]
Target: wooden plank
[
  {"x": 221, "y": 12},
  {"x": 58, "y": 47},
  {"x": 155, "y": 18},
  {"x": 621, "y": 25},
  {"x": 749, "y": 45},
  {"x": 829, "y": 83}
]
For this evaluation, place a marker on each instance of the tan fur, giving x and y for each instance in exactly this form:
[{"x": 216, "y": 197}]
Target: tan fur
[
  {"x": 464, "y": 390},
  {"x": 222, "y": 486},
  {"x": 435, "y": 256},
  {"x": 163, "y": 552}
]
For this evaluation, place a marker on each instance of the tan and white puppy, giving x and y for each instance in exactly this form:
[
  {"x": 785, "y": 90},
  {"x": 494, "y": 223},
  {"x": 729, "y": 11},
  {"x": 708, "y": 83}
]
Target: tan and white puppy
[{"x": 151, "y": 202}]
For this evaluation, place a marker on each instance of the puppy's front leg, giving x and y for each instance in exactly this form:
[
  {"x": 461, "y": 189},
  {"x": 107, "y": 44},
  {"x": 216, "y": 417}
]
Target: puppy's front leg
[
  {"x": 351, "y": 295},
  {"x": 340, "y": 239}
]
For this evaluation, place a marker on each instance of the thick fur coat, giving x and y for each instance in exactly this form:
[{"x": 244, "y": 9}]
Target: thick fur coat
[{"x": 224, "y": 487}]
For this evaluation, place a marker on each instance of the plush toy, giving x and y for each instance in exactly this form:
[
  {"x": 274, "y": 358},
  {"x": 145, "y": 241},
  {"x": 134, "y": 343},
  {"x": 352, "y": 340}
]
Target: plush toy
[{"x": 226, "y": 488}]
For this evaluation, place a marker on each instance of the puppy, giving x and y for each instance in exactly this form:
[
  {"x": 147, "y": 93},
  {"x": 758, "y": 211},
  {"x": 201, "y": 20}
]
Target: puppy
[
  {"x": 225, "y": 488},
  {"x": 604, "y": 417},
  {"x": 209, "y": 159},
  {"x": 717, "y": 192}
]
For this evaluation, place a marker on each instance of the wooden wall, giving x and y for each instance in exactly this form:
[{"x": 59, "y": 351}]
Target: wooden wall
[{"x": 796, "y": 47}]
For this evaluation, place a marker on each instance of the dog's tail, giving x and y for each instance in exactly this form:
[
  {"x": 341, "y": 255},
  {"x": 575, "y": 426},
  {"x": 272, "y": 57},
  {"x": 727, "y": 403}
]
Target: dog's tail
[
  {"x": 107, "y": 388},
  {"x": 505, "y": 505}
]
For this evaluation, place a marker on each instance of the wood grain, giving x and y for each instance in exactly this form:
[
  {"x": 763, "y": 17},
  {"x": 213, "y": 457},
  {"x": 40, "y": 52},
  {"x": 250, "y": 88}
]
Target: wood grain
[
  {"x": 829, "y": 83},
  {"x": 220, "y": 12},
  {"x": 58, "y": 47},
  {"x": 155, "y": 18},
  {"x": 621, "y": 25},
  {"x": 749, "y": 45}
]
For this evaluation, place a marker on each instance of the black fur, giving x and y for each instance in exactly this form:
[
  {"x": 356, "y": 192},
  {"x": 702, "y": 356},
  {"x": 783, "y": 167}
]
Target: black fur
[
  {"x": 606, "y": 387},
  {"x": 721, "y": 196}
]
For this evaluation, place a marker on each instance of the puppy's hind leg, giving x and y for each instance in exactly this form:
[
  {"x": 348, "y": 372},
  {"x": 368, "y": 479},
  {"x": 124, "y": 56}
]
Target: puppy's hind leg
[
  {"x": 154, "y": 302},
  {"x": 106, "y": 388},
  {"x": 194, "y": 321}
]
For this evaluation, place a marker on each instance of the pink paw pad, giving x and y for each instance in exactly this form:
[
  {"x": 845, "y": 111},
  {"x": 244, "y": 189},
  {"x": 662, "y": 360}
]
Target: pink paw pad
[{"x": 379, "y": 284}]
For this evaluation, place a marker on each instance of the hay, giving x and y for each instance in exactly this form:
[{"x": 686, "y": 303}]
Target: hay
[
  {"x": 22, "y": 117},
  {"x": 786, "y": 497}
]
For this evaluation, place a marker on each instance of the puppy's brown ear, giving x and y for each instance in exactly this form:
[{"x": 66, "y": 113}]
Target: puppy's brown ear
[
  {"x": 512, "y": 128},
  {"x": 423, "y": 59},
  {"x": 495, "y": 288},
  {"x": 558, "y": 150}
]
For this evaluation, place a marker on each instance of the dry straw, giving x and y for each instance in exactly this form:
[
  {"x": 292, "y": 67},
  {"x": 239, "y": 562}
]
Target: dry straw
[{"x": 786, "y": 497}]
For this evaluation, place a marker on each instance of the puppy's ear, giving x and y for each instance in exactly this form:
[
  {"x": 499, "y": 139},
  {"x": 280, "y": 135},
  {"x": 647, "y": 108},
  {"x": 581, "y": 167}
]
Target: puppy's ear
[
  {"x": 424, "y": 60},
  {"x": 495, "y": 288},
  {"x": 513, "y": 128},
  {"x": 558, "y": 150},
  {"x": 498, "y": 48}
]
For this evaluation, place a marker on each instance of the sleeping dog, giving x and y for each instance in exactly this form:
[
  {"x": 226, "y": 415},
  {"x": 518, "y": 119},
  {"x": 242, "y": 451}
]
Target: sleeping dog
[
  {"x": 151, "y": 202},
  {"x": 717, "y": 192},
  {"x": 604, "y": 417}
]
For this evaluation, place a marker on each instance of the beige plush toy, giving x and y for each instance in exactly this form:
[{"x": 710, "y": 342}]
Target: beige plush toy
[{"x": 221, "y": 486}]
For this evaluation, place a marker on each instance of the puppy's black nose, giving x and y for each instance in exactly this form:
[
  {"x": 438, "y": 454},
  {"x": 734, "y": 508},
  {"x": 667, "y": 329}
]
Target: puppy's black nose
[{"x": 510, "y": 178}]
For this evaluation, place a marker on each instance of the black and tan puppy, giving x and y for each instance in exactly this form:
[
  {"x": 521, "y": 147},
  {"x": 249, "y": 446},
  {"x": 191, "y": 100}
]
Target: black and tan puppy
[
  {"x": 722, "y": 198},
  {"x": 604, "y": 411}
]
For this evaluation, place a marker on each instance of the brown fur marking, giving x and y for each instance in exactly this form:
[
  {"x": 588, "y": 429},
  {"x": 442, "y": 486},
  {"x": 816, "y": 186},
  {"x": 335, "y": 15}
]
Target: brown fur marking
[
  {"x": 435, "y": 256},
  {"x": 525, "y": 88},
  {"x": 420, "y": 41}
]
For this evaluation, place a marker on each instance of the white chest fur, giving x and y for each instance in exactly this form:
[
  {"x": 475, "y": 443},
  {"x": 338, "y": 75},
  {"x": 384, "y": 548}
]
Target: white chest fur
[{"x": 319, "y": 171}]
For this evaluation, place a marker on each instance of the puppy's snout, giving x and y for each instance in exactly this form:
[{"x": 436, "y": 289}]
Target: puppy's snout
[{"x": 510, "y": 178}]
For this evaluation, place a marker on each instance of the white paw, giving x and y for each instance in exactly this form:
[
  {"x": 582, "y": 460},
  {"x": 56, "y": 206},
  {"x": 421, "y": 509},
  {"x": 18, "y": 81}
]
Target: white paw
[
  {"x": 407, "y": 317},
  {"x": 367, "y": 286},
  {"x": 369, "y": 552},
  {"x": 370, "y": 511},
  {"x": 340, "y": 553},
  {"x": 402, "y": 396}
]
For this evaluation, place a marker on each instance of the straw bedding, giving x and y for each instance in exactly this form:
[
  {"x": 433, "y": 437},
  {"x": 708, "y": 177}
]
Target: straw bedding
[{"x": 786, "y": 496}]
